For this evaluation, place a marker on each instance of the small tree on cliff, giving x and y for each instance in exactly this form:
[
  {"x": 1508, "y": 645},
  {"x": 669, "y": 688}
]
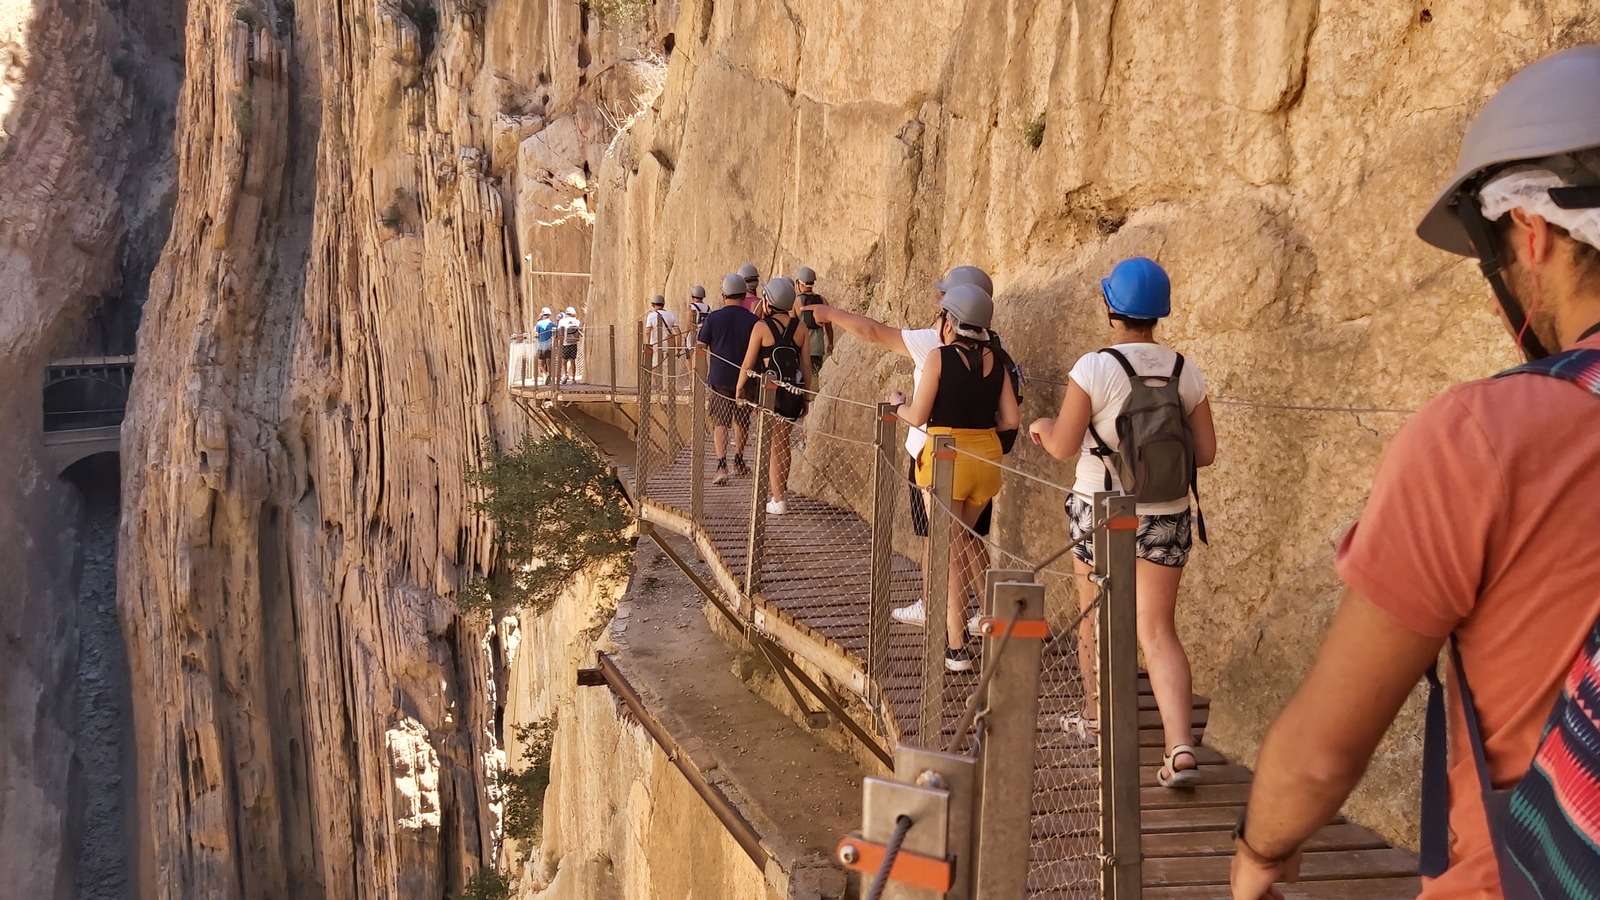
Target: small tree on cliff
[{"x": 556, "y": 509}]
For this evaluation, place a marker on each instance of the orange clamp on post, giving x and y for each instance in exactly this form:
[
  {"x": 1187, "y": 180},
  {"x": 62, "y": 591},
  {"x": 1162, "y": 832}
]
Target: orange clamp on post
[
  {"x": 914, "y": 869},
  {"x": 944, "y": 454},
  {"x": 1123, "y": 523},
  {"x": 995, "y": 627}
]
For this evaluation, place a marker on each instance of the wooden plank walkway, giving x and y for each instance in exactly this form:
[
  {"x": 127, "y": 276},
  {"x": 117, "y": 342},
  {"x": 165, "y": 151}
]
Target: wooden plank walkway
[{"x": 814, "y": 600}]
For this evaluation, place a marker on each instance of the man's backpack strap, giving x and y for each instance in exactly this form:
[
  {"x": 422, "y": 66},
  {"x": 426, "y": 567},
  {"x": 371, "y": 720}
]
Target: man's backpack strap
[
  {"x": 1435, "y": 856},
  {"x": 1580, "y": 366}
]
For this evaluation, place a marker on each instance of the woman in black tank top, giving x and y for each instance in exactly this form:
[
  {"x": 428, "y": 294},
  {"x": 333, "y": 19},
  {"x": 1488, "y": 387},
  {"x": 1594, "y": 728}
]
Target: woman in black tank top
[
  {"x": 966, "y": 392},
  {"x": 779, "y": 332}
]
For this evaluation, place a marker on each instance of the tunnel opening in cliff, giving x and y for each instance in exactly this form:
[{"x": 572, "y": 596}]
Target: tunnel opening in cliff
[{"x": 99, "y": 771}]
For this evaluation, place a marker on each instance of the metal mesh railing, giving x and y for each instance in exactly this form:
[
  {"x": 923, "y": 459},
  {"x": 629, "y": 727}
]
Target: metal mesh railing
[
  {"x": 594, "y": 359},
  {"x": 824, "y": 568}
]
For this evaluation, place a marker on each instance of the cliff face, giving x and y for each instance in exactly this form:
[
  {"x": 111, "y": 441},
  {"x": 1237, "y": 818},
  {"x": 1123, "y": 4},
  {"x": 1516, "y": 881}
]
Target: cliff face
[
  {"x": 79, "y": 178},
  {"x": 1274, "y": 156},
  {"x": 320, "y": 360}
]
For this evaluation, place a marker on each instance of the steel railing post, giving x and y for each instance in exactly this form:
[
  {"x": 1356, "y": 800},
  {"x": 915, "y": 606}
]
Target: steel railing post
[
  {"x": 1115, "y": 545},
  {"x": 641, "y": 463},
  {"x": 611, "y": 342},
  {"x": 938, "y": 581},
  {"x": 760, "y": 491},
  {"x": 884, "y": 483},
  {"x": 697, "y": 436},
  {"x": 1010, "y": 733}
]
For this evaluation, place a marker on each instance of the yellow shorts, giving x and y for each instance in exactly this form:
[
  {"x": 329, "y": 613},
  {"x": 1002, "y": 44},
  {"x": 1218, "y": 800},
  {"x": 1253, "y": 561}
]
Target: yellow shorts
[{"x": 977, "y": 478}]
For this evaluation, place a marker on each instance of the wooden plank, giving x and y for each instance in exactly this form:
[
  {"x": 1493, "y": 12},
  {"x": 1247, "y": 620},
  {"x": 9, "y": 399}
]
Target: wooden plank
[
  {"x": 1332, "y": 866},
  {"x": 1367, "y": 889},
  {"x": 1220, "y": 843}
]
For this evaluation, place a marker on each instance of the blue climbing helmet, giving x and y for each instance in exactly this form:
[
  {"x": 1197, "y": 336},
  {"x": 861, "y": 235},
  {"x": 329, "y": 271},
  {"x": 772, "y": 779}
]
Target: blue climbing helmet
[{"x": 1138, "y": 288}]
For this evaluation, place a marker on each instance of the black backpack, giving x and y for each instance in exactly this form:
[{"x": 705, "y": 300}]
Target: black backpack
[{"x": 783, "y": 360}]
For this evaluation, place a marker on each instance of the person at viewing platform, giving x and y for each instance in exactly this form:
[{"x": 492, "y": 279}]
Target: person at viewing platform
[
  {"x": 545, "y": 333},
  {"x": 1479, "y": 531},
  {"x": 1171, "y": 435},
  {"x": 915, "y": 344},
  {"x": 966, "y": 392},
  {"x": 570, "y": 329},
  {"x": 752, "y": 286},
  {"x": 726, "y": 334},
  {"x": 820, "y": 340},
  {"x": 778, "y": 349}
]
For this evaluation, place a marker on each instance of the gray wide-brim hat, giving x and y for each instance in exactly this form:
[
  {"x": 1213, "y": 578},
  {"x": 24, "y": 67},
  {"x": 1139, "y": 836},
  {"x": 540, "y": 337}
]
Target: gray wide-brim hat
[{"x": 1549, "y": 108}]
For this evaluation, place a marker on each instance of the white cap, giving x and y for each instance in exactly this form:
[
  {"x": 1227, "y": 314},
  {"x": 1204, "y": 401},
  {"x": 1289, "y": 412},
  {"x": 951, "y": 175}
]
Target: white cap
[
  {"x": 571, "y": 311},
  {"x": 545, "y": 311}
]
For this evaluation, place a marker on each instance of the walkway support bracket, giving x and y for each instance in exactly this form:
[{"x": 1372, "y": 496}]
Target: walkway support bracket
[{"x": 1115, "y": 565}]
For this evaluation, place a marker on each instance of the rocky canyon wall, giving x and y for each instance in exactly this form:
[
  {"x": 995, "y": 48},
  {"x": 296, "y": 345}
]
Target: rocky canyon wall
[
  {"x": 86, "y": 94},
  {"x": 1273, "y": 155}
]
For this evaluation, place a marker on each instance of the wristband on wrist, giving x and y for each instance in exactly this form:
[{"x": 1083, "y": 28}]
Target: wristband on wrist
[{"x": 1243, "y": 847}]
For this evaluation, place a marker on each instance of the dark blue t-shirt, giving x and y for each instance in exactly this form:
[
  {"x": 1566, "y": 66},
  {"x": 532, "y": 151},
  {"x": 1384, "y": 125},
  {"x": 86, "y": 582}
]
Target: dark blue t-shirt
[{"x": 727, "y": 333}]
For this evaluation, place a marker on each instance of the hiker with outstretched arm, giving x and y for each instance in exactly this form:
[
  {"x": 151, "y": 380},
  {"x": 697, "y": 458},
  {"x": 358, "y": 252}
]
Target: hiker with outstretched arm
[
  {"x": 915, "y": 344},
  {"x": 1478, "y": 538},
  {"x": 1135, "y": 418}
]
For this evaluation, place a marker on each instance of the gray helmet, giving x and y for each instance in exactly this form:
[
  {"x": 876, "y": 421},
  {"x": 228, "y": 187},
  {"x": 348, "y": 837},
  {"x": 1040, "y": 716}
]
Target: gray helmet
[
  {"x": 804, "y": 275},
  {"x": 1550, "y": 108},
  {"x": 779, "y": 293},
  {"x": 966, "y": 275},
  {"x": 658, "y": 300},
  {"x": 697, "y": 292},
  {"x": 749, "y": 274},
  {"x": 733, "y": 286},
  {"x": 969, "y": 305}
]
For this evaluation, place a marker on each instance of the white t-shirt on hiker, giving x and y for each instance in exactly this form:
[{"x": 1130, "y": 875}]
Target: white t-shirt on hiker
[
  {"x": 1103, "y": 379},
  {"x": 659, "y": 325},
  {"x": 919, "y": 343}
]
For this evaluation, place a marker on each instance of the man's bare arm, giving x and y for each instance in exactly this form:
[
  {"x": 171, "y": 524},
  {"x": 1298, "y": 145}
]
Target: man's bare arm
[
  {"x": 1321, "y": 743},
  {"x": 870, "y": 330}
]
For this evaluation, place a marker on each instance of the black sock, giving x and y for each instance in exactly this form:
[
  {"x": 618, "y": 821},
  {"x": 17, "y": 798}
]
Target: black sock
[{"x": 722, "y": 462}]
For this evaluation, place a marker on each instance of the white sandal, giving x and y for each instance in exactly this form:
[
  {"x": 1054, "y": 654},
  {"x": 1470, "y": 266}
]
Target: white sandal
[{"x": 1174, "y": 778}]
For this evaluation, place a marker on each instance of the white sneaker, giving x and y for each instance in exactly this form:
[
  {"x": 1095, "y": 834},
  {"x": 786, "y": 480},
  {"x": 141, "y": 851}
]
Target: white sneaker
[
  {"x": 972, "y": 625},
  {"x": 914, "y": 614},
  {"x": 776, "y": 507}
]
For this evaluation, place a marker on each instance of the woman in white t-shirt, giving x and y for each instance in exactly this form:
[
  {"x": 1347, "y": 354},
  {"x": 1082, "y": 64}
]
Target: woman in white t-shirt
[{"x": 1137, "y": 295}]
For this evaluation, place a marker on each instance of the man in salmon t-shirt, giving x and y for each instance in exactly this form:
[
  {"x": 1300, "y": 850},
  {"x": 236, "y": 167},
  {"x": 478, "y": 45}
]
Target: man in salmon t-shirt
[{"x": 1483, "y": 514}]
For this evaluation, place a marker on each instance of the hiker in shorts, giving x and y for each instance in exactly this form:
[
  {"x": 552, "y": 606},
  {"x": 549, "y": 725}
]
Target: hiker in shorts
[
  {"x": 820, "y": 337},
  {"x": 915, "y": 344},
  {"x": 660, "y": 329},
  {"x": 776, "y": 346},
  {"x": 1478, "y": 533},
  {"x": 966, "y": 393},
  {"x": 726, "y": 334},
  {"x": 1094, "y": 412},
  {"x": 570, "y": 329},
  {"x": 752, "y": 285},
  {"x": 545, "y": 333}
]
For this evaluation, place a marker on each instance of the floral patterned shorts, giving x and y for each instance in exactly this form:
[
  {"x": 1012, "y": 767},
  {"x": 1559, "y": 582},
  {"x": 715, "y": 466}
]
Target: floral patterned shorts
[{"x": 1163, "y": 540}]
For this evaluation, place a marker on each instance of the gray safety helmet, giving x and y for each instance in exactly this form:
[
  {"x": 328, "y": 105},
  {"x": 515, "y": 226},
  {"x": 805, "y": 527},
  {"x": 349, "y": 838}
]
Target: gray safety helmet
[
  {"x": 966, "y": 275},
  {"x": 697, "y": 292},
  {"x": 1550, "y": 108},
  {"x": 779, "y": 293},
  {"x": 749, "y": 274},
  {"x": 969, "y": 305},
  {"x": 658, "y": 300},
  {"x": 805, "y": 275},
  {"x": 733, "y": 286}
]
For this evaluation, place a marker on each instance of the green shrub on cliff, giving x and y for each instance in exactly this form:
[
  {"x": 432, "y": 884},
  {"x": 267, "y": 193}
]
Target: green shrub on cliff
[
  {"x": 522, "y": 790},
  {"x": 556, "y": 509},
  {"x": 487, "y": 884}
]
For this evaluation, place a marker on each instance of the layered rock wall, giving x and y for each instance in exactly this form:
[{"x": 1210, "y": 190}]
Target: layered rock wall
[{"x": 1274, "y": 156}]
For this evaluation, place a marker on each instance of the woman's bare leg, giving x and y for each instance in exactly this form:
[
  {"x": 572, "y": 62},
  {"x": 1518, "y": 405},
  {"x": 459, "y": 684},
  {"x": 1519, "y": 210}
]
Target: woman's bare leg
[{"x": 1164, "y": 655}]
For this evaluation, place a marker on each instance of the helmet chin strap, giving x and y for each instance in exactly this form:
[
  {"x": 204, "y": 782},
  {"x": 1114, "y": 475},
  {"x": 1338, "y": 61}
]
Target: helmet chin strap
[{"x": 1484, "y": 243}]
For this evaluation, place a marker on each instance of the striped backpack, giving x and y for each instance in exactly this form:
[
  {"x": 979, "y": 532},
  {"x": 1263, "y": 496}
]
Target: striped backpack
[{"x": 1546, "y": 829}]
